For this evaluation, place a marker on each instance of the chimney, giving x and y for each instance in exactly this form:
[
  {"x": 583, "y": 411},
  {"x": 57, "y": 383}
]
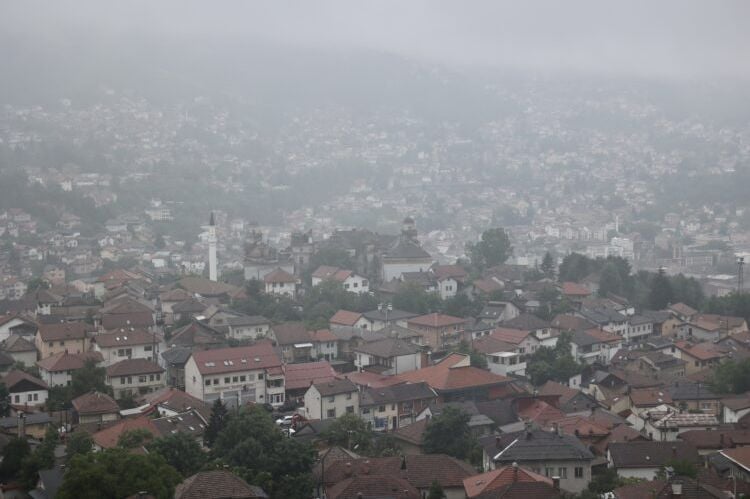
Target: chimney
[
  {"x": 721, "y": 440},
  {"x": 676, "y": 490},
  {"x": 674, "y": 452},
  {"x": 556, "y": 482},
  {"x": 497, "y": 442},
  {"x": 348, "y": 471},
  {"x": 403, "y": 462},
  {"x": 21, "y": 425},
  {"x": 515, "y": 471}
]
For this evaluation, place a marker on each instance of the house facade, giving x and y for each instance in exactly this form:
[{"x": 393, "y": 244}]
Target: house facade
[{"x": 331, "y": 399}]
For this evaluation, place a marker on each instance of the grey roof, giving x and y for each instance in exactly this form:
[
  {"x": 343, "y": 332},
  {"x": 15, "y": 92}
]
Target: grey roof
[
  {"x": 650, "y": 454},
  {"x": 31, "y": 418},
  {"x": 657, "y": 342},
  {"x": 638, "y": 320},
  {"x": 493, "y": 310},
  {"x": 397, "y": 393},
  {"x": 51, "y": 481},
  {"x": 406, "y": 248},
  {"x": 657, "y": 316},
  {"x": 190, "y": 423},
  {"x": 602, "y": 315},
  {"x": 6, "y": 360},
  {"x": 500, "y": 411},
  {"x": 539, "y": 445},
  {"x": 526, "y": 322},
  {"x": 335, "y": 386},
  {"x": 583, "y": 339},
  {"x": 387, "y": 347},
  {"x": 480, "y": 325},
  {"x": 395, "y": 331},
  {"x": 177, "y": 355},
  {"x": 393, "y": 315},
  {"x": 687, "y": 390},
  {"x": 346, "y": 333},
  {"x": 247, "y": 320},
  {"x": 17, "y": 343},
  {"x": 425, "y": 279}
]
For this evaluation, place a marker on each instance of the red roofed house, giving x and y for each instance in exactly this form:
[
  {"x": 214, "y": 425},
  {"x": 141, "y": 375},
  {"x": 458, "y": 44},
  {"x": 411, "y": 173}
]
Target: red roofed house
[
  {"x": 700, "y": 356},
  {"x": 351, "y": 319},
  {"x": 348, "y": 279},
  {"x": 449, "y": 278},
  {"x": 299, "y": 377},
  {"x": 453, "y": 378},
  {"x": 525, "y": 341},
  {"x": 503, "y": 358},
  {"x": 325, "y": 344},
  {"x": 133, "y": 377},
  {"x": 95, "y": 407},
  {"x": 108, "y": 437},
  {"x": 25, "y": 389},
  {"x": 280, "y": 282},
  {"x": 574, "y": 291},
  {"x": 236, "y": 375},
  {"x": 62, "y": 337},
  {"x": 439, "y": 331},
  {"x": 128, "y": 344},
  {"x": 510, "y": 481},
  {"x": 57, "y": 370}
]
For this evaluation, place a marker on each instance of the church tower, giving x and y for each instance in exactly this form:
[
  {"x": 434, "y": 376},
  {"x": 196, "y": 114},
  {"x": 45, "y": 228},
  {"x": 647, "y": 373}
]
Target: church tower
[
  {"x": 409, "y": 229},
  {"x": 212, "y": 270}
]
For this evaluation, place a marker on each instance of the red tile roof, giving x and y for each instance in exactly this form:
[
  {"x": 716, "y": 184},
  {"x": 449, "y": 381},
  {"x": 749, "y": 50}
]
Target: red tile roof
[
  {"x": 702, "y": 351},
  {"x": 64, "y": 361},
  {"x": 130, "y": 367},
  {"x": 345, "y": 318},
  {"x": 279, "y": 275},
  {"x": 375, "y": 486},
  {"x": 501, "y": 477},
  {"x": 107, "y": 438},
  {"x": 95, "y": 403},
  {"x": 538, "y": 411},
  {"x": 436, "y": 320},
  {"x": 225, "y": 360},
  {"x": 453, "y": 373},
  {"x": 649, "y": 397},
  {"x": 514, "y": 336},
  {"x": 299, "y": 376},
  {"x": 323, "y": 335},
  {"x": 217, "y": 484},
  {"x": 124, "y": 337},
  {"x": 574, "y": 289},
  {"x": 16, "y": 376},
  {"x": 456, "y": 272},
  {"x": 740, "y": 455},
  {"x": 64, "y": 331}
]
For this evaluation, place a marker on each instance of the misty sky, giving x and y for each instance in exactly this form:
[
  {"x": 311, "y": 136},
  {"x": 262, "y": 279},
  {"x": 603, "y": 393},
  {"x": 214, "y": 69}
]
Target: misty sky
[{"x": 678, "y": 38}]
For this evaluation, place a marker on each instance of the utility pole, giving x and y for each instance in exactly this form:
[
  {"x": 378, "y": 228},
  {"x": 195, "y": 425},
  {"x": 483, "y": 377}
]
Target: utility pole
[{"x": 740, "y": 274}]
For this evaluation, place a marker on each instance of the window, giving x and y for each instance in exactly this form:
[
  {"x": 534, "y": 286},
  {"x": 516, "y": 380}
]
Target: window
[
  {"x": 350, "y": 409},
  {"x": 562, "y": 473},
  {"x": 226, "y": 380},
  {"x": 242, "y": 379},
  {"x": 122, "y": 380},
  {"x": 142, "y": 379},
  {"x": 158, "y": 376},
  {"x": 18, "y": 399},
  {"x": 150, "y": 377},
  {"x": 260, "y": 376},
  {"x": 365, "y": 410},
  {"x": 62, "y": 343},
  {"x": 346, "y": 286},
  {"x": 381, "y": 408},
  {"x": 258, "y": 329},
  {"x": 216, "y": 381},
  {"x": 28, "y": 397},
  {"x": 331, "y": 413},
  {"x": 393, "y": 407},
  {"x": 36, "y": 397},
  {"x": 208, "y": 382},
  {"x": 579, "y": 472},
  {"x": 549, "y": 472},
  {"x": 355, "y": 285},
  {"x": 234, "y": 379},
  {"x": 148, "y": 348},
  {"x": 331, "y": 399},
  {"x": 130, "y": 380},
  {"x": 348, "y": 396}
]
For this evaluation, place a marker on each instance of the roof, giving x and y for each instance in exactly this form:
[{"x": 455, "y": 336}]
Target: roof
[
  {"x": 491, "y": 344},
  {"x": 738, "y": 455},
  {"x": 412, "y": 433},
  {"x": 189, "y": 305},
  {"x": 345, "y": 318},
  {"x": 574, "y": 289},
  {"x": 650, "y": 454},
  {"x": 135, "y": 319},
  {"x": 19, "y": 381},
  {"x": 189, "y": 422},
  {"x": 536, "y": 445},
  {"x": 436, "y": 320},
  {"x": 393, "y": 315},
  {"x": 196, "y": 334},
  {"x": 396, "y": 394},
  {"x": 682, "y": 309},
  {"x": 16, "y": 344},
  {"x": 225, "y": 360},
  {"x": 322, "y": 335},
  {"x": 514, "y": 336},
  {"x": 405, "y": 248},
  {"x": 702, "y": 351},
  {"x": 456, "y": 272},
  {"x": 298, "y": 376},
  {"x": 453, "y": 373},
  {"x": 387, "y": 348},
  {"x": 177, "y": 355},
  {"x": 289, "y": 333},
  {"x": 686, "y": 419},
  {"x": 721, "y": 438},
  {"x": 176, "y": 400},
  {"x": 206, "y": 287},
  {"x": 570, "y": 322},
  {"x": 95, "y": 403},
  {"x": 279, "y": 275},
  {"x": 125, "y": 337},
  {"x": 31, "y": 418},
  {"x": 64, "y": 361},
  {"x": 499, "y": 478},
  {"x": 650, "y": 397},
  {"x": 129, "y": 367},
  {"x": 108, "y": 437},
  {"x": 217, "y": 484},
  {"x": 64, "y": 331},
  {"x": 372, "y": 486},
  {"x": 526, "y": 322},
  {"x": 565, "y": 393},
  {"x": 335, "y": 386}
]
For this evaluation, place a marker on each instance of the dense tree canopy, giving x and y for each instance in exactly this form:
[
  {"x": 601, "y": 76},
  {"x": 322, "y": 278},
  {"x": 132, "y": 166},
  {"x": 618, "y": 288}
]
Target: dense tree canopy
[
  {"x": 180, "y": 451},
  {"x": 351, "y": 432},
  {"x": 449, "y": 433},
  {"x": 492, "y": 249},
  {"x": 555, "y": 364},
  {"x": 732, "y": 376}
]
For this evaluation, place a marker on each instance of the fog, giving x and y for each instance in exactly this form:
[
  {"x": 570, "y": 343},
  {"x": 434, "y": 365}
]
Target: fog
[{"x": 663, "y": 40}]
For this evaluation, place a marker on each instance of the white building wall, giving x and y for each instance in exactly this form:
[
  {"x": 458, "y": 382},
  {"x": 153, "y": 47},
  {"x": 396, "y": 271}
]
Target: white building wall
[
  {"x": 31, "y": 397},
  {"x": 447, "y": 288},
  {"x": 317, "y": 407},
  {"x": 392, "y": 270}
]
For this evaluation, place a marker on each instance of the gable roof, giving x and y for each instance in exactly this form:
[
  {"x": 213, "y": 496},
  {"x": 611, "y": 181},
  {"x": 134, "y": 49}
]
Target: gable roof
[
  {"x": 397, "y": 393},
  {"x": 456, "y": 272},
  {"x": 492, "y": 344},
  {"x": 18, "y": 381},
  {"x": 298, "y": 376},
  {"x": 177, "y": 400},
  {"x": 129, "y": 367},
  {"x": 196, "y": 334},
  {"x": 125, "y": 337},
  {"x": 226, "y": 360},
  {"x": 650, "y": 454},
  {"x": 513, "y": 336},
  {"x": 345, "y": 318},
  {"x": 370, "y": 486},
  {"x": 405, "y": 248},
  {"x": 526, "y": 322},
  {"x": 95, "y": 403},
  {"x": 65, "y": 361},
  {"x": 500, "y": 478},
  {"x": 279, "y": 275},
  {"x": 290, "y": 333},
  {"x": 387, "y": 348},
  {"x": 436, "y": 320},
  {"x": 61, "y": 331},
  {"x": 217, "y": 484},
  {"x": 569, "y": 288},
  {"x": 335, "y": 387},
  {"x": 16, "y": 344},
  {"x": 108, "y": 437},
  {"x": 536, "y": 445},
  {"x": 453, "y": 373}
]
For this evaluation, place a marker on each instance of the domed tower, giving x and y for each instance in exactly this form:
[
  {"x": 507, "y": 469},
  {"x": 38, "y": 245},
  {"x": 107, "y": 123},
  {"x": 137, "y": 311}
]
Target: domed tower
[{"x": 409, "y": 229}]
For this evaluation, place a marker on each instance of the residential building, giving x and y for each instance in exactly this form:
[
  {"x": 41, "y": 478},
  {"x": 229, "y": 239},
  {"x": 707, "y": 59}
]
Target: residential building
[
  {"x": 387, "y": 356},
  {"x": 20, "y": 349},
  {"x": 392, "y": 407},
  {"x": 324, "y": 344},
  {"x": 348, "y": 279},
  {"x": 128, "y": 344},
  {"x": 299, "y": 377},
  {"x": 95, "y": 407},
  {"x": 133, "y": 377},
  {"x": 71, "y": 337},
  {"x": 236, "y": 375},
  {"x": 331, "y": 399},
  {"x": 405, "y": 255},
  {"x": 550, "y": 453},
  {"x": 503, "y": 358},
  {"x": 294, "y": 341},
  {"x": 739, "y": 461},
  {"x": 439, "y": 331},
  {"x": 57, "y": 370},
  {"x": 24, "y": 389},
  {"x": 349, "y": 319},
  {"x": 217, "y": 484},
  {"x": 280, "y": 282},
  {"x": 511, "y": 481},
  {"x": 645, "y": 459},
  {"x": 380, "y": 319}
]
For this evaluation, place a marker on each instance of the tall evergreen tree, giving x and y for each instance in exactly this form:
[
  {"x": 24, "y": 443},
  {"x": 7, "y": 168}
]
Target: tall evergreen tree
[
  {"x": 436, "y": 491},
  {"x": 610, "y": 280},
  {"x": 548, "y": 265},
  {"x": 217, "y": 422},
  {"x": 660, "y": 294}
]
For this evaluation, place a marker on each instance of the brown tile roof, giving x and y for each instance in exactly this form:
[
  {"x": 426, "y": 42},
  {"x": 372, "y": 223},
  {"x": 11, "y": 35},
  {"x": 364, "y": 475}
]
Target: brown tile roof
[
  {"x": 456, "y": 272},
  {"x": 620, "y": 433},
  {"x": 335, "y": 387},
  {"x": 538, "y": 411},
  {"x": 499, "y": 478},
  {"x": 289, "y": 333},
  {"x": 324, "y": 272},
  {"x": 95, "y": 403},
  {"x": 371, "y": 486},
  {"x": 125, "y": 337},
  {"x": 64, "y": 331},
  {"x": 217, "y": 484},
  {"x": 514, "y": 336},
  {"x": 345, "y": 318},
  {"x": 740, "y": 455},
  {"x": 716, "y": 439},
  {"x": 640, "y": 490},
  {"x": 129, "y": 367},
  {"x": 451, "y": 373},
  {"x": 279, "y": 275},
  {"x": 226, "y": 360},
  {"x": 64, "y": 361},
  {"x": 206, "y": 287},
  {"x": 436, "y": 320},
  {"x": 491, "y": 344},
  {"x": 487, "y": 285},
  {"x": 16, "y": 376},
  {"x": 650, "y": 454},
  {"x": 412, "y": 433},
  {"x": 178, "y": 401},
  {"x": 702, "y": 351},
  {"x": 299, "y": 376},
  {"x": 17, "y": 343},
  {"x": 323, "y": 335},
  {"x": 108, "y": 437},
  {"x": 574, "y": 289},
  {"x": 570, "y": 322},
  {"x": 650, "y": 397},
  {"x": 135, "y": 320},
  {"x": 372, "y": 380}
]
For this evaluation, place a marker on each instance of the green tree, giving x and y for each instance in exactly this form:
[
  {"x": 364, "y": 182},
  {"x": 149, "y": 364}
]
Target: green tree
[
  {"x": 732, "y": 376},
  {"x": 449, "y": 433},
  {"x": 477, "y": 359},
  {"x": 351, "y": 432},
  {"x": 606, "y": 481},
  {"x": 135, "y": 439},
  {"x": 43, "y": 457},
  {"x": 116, "y": 473},
  {"x": 575, "y": 267},
  {"x": 4, "y": 401},
  {"x": 412, "y": 297},
  {"x": 548, "y": 265},
  {"x": 14, "y": 454},
  {"x": 461, "y": 306},
  {"x": 89, "y": 378},
  {"x": 436, "y": 491},
  {"x": 181, "y": 452},
  {"x": 680, "y": 467},
  {"x": 80, "y": 442},
  {"x": 660, "y": 294},
  {"x": 610, "y": 281},
  {"x": 217, "y": 422},
  {"x": 555, "y": 364},
  {"x": 492, "y": 249}
]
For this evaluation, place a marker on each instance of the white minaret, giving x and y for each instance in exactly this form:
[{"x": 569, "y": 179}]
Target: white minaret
[{"x": 212, "y": 271}]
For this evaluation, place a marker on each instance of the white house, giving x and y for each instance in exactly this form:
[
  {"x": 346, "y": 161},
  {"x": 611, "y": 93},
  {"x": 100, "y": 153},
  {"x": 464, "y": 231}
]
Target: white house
[
  {"x": 405, "y": 255},
  {"x": 236, "y": 375},
  {"x": 57, "y": 369},
  {"x": 387, "y": 356},
  {"x": 21, "y": 349},
  {"x": 502, "y": 357},
  {"x": 280, "y": 282},
  {"x": 331, "y": 399},
  {"x": 25, "y": 389},
  {"x": 348, "y": 279},
  {"x": 135, "y": 377},
  {"x": 128, "y": 344}
]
